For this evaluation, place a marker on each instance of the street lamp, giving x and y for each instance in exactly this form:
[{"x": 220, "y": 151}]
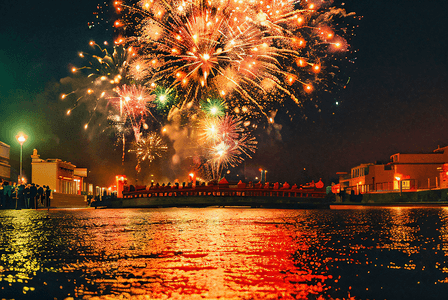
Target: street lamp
[
  {"x": 262, "y": 175},
  {"x": 21, "y": 138}
]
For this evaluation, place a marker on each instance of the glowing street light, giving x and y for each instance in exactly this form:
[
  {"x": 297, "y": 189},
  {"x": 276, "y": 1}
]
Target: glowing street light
[{"x": 21, "y": 138}]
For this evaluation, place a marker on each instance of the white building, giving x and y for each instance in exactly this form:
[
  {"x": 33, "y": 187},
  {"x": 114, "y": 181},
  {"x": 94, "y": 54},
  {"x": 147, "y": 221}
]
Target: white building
[
  {"x": 5, "y": 168},
  {"x": 61, "y": 176}
]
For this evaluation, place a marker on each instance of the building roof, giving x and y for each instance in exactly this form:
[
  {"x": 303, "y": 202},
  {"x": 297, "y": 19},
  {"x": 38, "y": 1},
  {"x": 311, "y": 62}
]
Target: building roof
[{"x": 4, "y": 145}]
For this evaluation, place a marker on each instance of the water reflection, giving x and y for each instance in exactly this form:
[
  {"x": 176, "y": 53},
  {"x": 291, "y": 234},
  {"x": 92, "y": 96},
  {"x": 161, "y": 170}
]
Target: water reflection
[{"x": 226, "y": 253}]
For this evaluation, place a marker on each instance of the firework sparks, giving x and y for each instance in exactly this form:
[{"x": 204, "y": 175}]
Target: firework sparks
[
  {"x": 134, "y": 102},
  {"x": 227, "y": 143},
  {"x": 106, "y": 77},
  {"x": 149, "y": 148},
  {"x": 237, "y": 49},
  {"x": 213, "y": 107},
  {"x": 103, "y": 73},
  {"x": 221, "y": 65}
]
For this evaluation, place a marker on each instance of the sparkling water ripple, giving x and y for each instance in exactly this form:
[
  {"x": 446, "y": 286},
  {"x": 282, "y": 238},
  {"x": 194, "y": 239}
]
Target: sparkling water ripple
[{"x": 224, "y": 253}]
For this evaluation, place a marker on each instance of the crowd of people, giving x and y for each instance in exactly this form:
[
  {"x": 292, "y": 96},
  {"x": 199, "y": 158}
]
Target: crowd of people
[
  {"x": 23, "y": 196},
  {"x": 224, "y": 183}
]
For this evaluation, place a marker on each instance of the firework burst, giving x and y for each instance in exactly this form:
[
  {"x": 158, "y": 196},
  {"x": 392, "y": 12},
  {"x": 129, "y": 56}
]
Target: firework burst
[
  {"x": 134, "y": 102},
  {"x": 103, "y": 73},
  {"x": 217, "y": 67},
  {"x": 213, "y": 107},
  {"x": 226, "y": 143},
  {"x": 247, "y": 50},
  {"x": 149, "y": 148}
]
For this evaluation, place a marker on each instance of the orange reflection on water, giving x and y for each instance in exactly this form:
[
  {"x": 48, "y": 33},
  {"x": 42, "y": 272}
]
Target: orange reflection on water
[
  {"x": 210, "y": 253},
  {"x": 226, "y": 253}
]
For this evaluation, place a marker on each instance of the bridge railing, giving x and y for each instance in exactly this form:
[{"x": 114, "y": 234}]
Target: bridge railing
[{"x": 217, "y": 191}]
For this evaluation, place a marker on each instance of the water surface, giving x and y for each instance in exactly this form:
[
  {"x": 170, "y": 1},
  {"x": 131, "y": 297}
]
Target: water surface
[{"x": 224, "y": 253}]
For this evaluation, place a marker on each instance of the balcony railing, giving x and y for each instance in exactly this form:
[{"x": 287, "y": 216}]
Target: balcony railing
[{"x": 407, "y": 185}]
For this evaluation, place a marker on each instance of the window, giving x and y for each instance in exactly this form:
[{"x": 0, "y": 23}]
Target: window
[{"x": 406, "y": 184}]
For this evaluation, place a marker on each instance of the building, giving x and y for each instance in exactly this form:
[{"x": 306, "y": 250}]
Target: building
[
  {"x": 444, "y": 176},
  {"x": 5, "y": 168},
  {"x": 404, "y": 172},
  {"x": 64, "y": 178}
]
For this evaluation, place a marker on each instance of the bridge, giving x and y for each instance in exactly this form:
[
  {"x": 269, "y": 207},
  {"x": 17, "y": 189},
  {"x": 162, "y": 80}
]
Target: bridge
[{"x": 218, "y": 195}]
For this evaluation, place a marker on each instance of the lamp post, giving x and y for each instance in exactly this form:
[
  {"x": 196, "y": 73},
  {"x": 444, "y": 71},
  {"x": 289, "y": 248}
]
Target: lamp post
[
  {"x": 21, "y": 138},
  {"x": 262, "y": 175},
  {"x": 400, "y": 186}
]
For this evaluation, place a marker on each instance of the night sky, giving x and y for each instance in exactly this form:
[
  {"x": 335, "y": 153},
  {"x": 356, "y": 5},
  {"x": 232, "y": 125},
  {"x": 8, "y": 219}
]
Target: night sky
[{"x": 395, "y": 101}]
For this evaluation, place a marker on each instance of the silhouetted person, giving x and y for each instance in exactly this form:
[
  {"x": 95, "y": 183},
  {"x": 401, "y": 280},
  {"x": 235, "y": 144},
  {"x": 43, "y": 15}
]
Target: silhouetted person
[
  {"x": 14, "y": 195},
  {"x": 33, "y": 194},
  {"x": 352, "y": 196},
  {"x": 40, "y": 194},
  {"x": 7, "y": 193},
  {"x": 47, "y": 196},
  {"x": 26, "y": 194},
  {"x": 2, "y": 199},
  {"x": 21, "y": 195}
]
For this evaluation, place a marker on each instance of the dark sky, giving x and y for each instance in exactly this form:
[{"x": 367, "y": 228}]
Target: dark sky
[{"x": 396, "y": 100}]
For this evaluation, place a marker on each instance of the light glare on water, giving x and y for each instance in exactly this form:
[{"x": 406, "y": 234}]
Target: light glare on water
[{"x": 224, "y": 253}]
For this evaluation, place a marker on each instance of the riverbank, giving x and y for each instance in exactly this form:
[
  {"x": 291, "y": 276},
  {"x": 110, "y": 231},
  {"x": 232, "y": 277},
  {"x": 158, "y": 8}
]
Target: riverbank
[
  {"x": 419, "y": 198},
  {"x": 206, "y": 201},
  {"x": 389, "y": 197},
  {"x": 353, "y": 205}
]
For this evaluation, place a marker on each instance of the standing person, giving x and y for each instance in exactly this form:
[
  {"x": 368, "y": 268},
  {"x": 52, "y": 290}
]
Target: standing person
[
  {"x": 1, "y": 195},
  {"x": 47, "y": 196},
  {"x": 15, "y": 195},
  {"x": 21, "y": 195},
  {"x": 33, "y": 194},
  {"x": 40, "y": 194},
  {"x": 26, "y": 194},
  {"x": 7, "y": 191}
]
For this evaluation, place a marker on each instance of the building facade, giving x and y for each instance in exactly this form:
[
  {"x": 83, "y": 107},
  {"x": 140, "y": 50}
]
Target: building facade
[
  {"x": 62, "y": 177},
  {"x": 404, "y": 172},
  {"x": 5, "y": 168}
]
